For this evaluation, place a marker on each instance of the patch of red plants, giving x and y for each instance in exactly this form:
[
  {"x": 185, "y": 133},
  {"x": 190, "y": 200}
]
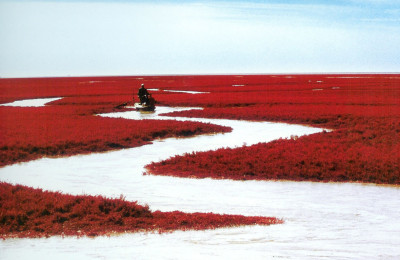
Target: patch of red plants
[
  {"x": 342, "y": 155},
  {"x": 249, "y": 90},
  {"x": 30, "y": 133},
  {"x": 363, "y": 112},
  {"x": 28, "y": 212}
]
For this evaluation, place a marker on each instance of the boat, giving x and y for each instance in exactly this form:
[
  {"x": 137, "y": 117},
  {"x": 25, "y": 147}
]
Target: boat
[{"x": 144, "y": 107}]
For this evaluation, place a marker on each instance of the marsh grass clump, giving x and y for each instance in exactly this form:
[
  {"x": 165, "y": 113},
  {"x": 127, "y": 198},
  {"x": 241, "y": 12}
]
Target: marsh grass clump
[{"x": 28, "y": 212}]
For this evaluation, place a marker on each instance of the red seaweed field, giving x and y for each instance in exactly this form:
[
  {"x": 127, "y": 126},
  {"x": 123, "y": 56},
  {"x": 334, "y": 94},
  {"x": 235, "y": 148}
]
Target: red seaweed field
[
  {"x": 60, "y": 130},
  {"x": 28, "y": 212},
  {"x": 361, "y": 113},
  {"x": 69, "y": 127}
]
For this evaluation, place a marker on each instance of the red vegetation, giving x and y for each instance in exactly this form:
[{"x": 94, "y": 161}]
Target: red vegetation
[
  {"x": 30, "y": 133},
  {"x": 28, "y": 212},
  {"x": 343, "y": 155},
  {"x": 363, "y": 111},
  {"x": 249, "y": 90},
  {"x": 322, "y": 115}
]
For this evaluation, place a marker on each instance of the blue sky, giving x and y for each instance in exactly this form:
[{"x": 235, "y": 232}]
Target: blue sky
[{"x": 77, "y": 38}]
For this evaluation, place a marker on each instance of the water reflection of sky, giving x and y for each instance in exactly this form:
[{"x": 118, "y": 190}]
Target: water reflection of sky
[{"x": 44, "y": 38}]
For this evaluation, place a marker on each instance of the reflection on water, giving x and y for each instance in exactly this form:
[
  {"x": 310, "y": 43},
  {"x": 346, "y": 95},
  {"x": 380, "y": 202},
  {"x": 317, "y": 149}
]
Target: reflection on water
[{"x": 321, "y": 219}]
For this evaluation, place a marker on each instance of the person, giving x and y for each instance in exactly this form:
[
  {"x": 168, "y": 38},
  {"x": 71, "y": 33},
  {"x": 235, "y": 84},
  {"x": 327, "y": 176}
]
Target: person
[
  {"x": 143, "y": 94},
  {"x": 151, "y": 102}
]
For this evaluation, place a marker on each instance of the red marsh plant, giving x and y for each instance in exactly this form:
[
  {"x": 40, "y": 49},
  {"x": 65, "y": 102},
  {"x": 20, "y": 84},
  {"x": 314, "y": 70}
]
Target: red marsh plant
[
  {"x": 28, "y": 212},
  {"x": 31, "y": 133},
  {"x": 364, "y": 146},
  {"x": 363, "y": 111}
]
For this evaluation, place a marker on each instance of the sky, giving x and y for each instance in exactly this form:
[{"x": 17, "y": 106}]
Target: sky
[{"x": 128, "y": 37}]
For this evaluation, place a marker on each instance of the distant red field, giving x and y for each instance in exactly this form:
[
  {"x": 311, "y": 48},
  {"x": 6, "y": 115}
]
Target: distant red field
[
  {"x": 362, "y": 110},
  {"x": 69, "y": 127}
]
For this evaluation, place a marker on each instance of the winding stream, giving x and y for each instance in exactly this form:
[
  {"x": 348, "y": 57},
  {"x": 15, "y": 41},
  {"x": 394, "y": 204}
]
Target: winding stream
[{"x": 322, "y": 220}]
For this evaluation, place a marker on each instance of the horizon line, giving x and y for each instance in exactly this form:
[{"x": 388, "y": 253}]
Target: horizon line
[{"x": 212, "y": 74}]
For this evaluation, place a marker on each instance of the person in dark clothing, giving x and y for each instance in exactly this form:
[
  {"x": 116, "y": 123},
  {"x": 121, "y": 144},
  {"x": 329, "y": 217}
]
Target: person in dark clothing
[
  {"x": 143, "y": 95},
  {"x": 151, "y": 102}
]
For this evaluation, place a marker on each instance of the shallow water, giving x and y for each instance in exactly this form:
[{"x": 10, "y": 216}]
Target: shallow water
[
  {"x": 36, "y": 102},
  {"x": 322, "y": 220}
]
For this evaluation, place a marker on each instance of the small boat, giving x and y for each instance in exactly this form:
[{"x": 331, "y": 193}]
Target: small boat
[
  {"x": 144, "y": 107},
  {"x": 147, "y": 102}
]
